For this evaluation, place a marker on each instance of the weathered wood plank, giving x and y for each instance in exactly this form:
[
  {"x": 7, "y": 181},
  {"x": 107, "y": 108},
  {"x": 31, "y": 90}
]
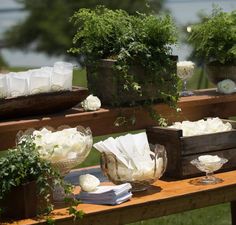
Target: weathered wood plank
[
  {"x": 205, "y": 103},
  {"x": 170, "y": 138},
  {"x": 208, "y": 143},
  {"x": 163, "y": 198}
]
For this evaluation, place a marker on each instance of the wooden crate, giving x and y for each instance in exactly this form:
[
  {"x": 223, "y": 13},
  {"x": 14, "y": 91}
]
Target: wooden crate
[{"x": 181, "y": 150}]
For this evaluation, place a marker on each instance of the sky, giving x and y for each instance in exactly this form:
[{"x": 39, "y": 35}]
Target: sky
[{"x": 185, "y": 12}]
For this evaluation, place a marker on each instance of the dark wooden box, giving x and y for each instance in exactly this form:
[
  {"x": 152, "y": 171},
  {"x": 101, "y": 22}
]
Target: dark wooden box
[{"x": 181, "y": 150}]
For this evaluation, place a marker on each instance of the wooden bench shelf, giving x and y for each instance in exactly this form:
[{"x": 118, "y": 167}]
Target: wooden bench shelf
[
  {"x": 165, "y": 197},
  {"x": 205, "y": 103}
]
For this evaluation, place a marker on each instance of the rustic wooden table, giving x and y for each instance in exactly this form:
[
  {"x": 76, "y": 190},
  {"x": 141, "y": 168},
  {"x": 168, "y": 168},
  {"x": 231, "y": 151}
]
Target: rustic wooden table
[
  {"x": 163, "y": 198},
  {"x": 205, "y": 103}
]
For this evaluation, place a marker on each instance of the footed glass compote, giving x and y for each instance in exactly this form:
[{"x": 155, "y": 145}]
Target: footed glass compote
[
  {"x": 64, "y": 148},
  {"x": 208, "y": 164},
  {"x": 185, "y": 71}
]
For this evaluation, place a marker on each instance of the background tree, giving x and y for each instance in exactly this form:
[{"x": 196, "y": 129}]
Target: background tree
[{"x": 47, "y": 28}]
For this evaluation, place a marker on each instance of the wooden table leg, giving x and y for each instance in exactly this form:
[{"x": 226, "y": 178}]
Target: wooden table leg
[{"x": 233, "y": 212}]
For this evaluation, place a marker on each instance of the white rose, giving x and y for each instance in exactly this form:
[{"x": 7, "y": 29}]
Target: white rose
[
  {"x": 88, "y": 182},
  {"x": 226, "y": 86},
  {"x": 91, "y": 103}
]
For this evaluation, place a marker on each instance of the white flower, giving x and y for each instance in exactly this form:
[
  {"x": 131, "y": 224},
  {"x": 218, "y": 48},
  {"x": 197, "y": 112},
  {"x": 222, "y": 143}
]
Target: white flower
[
  {"x": 226, "y": 86},
  {"x": 185, "y": 69},
  {"x": 178, "y": 110},
  {"x": 88, "y": 182},
  {"x": 91, "y": 103}
]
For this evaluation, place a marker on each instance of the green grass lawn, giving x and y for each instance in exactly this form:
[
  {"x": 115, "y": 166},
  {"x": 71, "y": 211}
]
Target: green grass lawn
[{"x": 215, "y": 215}]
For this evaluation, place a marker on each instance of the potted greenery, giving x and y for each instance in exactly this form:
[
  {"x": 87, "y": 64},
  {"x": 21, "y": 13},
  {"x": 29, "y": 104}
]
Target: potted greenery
[
  {"x": 214, "y": 40},
  {"x": 128, "y": 57},
  {"x": 26, "y": 182}
]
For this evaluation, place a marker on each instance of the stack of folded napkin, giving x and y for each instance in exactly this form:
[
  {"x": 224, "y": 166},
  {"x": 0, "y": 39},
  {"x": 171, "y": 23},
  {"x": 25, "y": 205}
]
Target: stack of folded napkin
[{"x": 107, "y": 195}]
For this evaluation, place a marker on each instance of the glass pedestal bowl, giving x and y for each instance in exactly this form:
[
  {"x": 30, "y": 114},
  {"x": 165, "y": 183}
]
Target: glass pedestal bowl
[
  {"x": 140, "y": 180},
  {"x": 63, "y": 157},
  {"x": 185, "y": 72},
  {"x": 209, "y": 168}
]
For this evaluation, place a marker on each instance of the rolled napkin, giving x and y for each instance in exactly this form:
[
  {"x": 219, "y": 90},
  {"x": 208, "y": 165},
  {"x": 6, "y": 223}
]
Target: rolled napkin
[{"x": 226, "y": 86}]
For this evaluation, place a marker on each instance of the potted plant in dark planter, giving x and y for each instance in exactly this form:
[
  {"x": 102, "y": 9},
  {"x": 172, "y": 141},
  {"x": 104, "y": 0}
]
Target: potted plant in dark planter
[
  {"x": 128, "y": 57},
  {"x": 214, "y": 41},
  {"x": 26, "y": 182}
]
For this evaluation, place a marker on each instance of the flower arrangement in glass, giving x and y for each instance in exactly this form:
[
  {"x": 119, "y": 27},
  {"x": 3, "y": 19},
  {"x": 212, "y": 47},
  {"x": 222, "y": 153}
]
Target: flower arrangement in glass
[
  {"x": 185, "y": 70},
  {"x": 65, "y": 148}
]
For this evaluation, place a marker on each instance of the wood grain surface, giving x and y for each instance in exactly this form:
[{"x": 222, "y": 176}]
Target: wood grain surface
[
  {"x": 204, "y": 103},
  {"x": 163, "y": 198}
]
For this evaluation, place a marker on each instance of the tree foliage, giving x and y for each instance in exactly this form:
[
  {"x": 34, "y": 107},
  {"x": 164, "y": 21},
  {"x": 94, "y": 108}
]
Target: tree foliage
[{"x": 47, "y": 28}]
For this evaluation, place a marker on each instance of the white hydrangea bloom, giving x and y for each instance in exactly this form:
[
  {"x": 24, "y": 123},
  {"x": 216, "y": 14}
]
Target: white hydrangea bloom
[{"x": 91, "y": 103}]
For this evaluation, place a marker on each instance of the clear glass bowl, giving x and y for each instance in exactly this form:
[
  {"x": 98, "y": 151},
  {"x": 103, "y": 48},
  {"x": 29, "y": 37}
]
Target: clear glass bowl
[
  {"x": 67, "y": 162},
  {"x": 118, "y": 173},
  {"x": 209, "y": 168}
]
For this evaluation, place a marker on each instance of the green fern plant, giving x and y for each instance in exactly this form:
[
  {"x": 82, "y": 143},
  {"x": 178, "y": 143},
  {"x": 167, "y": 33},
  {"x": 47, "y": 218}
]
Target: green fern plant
[
  {"x": 214, "y": 38},
  {"x": 138, "y": 39}
]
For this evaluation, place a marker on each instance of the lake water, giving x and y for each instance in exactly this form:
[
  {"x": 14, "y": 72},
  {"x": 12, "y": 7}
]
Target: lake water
[{"x": 185, "y": 12}]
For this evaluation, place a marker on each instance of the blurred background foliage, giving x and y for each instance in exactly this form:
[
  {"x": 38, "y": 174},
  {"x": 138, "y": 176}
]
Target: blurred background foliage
[{"x": 47, "y": 28}]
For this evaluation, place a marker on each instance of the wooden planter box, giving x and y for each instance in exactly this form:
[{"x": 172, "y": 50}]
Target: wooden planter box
[
  {"x": 104, "y": 82},
  {"x": 21, "y": 202},
  {"x": 181, "y": 150}
]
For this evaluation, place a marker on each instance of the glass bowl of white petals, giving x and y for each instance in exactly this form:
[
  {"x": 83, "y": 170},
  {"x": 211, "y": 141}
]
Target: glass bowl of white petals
[{"x": 65, "y": 148}]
